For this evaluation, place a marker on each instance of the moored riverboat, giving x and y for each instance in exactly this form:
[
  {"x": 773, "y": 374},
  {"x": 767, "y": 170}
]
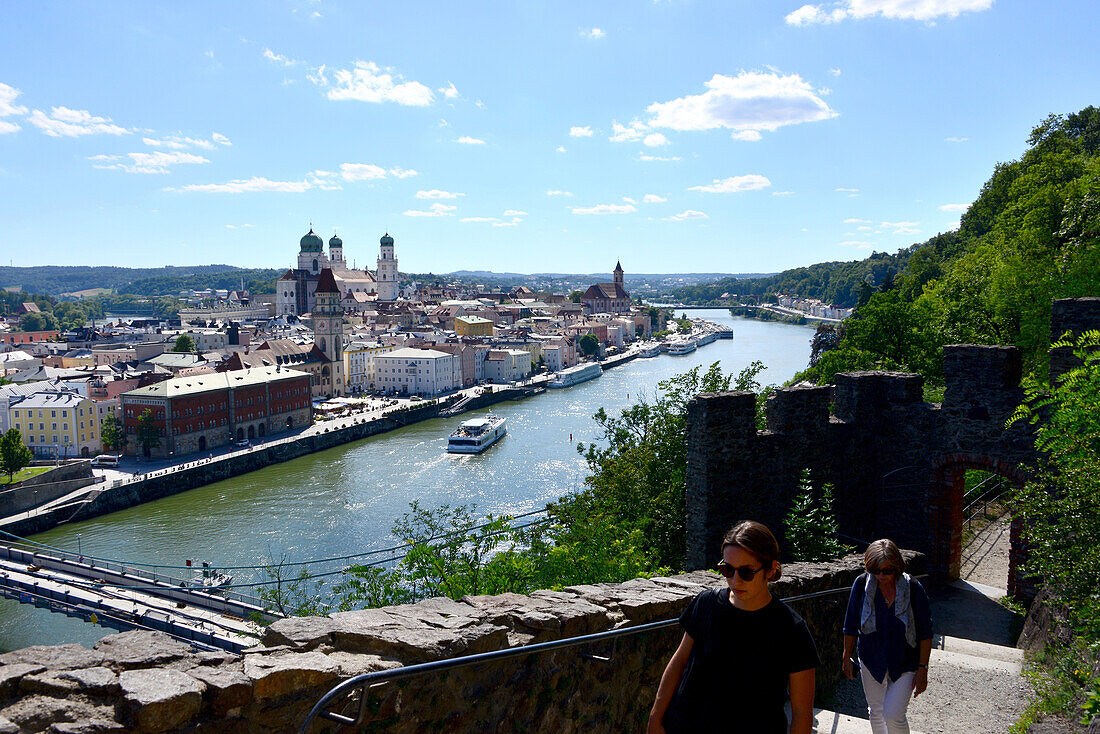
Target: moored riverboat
[
  {"x": 575, "y": 375},
  {"x": 682, "y": 346}
]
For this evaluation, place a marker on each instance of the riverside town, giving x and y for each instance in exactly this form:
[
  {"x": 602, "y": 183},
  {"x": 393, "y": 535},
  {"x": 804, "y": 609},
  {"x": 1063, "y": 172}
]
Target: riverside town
[{"x": 421, "y": 368}]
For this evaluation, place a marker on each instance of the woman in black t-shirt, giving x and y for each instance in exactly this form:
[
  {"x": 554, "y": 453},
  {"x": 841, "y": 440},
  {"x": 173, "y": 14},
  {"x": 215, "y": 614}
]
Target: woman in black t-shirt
[{"x": 742, "y": 650}]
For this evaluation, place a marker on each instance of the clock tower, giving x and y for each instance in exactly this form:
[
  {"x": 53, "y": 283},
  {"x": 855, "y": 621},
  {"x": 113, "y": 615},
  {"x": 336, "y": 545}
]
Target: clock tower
[{"x": 328, "y": 333}]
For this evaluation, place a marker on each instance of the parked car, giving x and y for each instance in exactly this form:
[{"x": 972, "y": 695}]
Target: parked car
[{"x": 242, "y": 443}]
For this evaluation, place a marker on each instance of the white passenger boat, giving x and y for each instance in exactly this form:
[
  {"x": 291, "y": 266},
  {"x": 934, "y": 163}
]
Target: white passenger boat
[
  {"x": 725, "y": 333},
  {"x": 476, "y": 435},
  {"x": 706, "y": 338},
  {"x": 683, "y": 346},
  {"x": 575, "y": 375},
  {"x": 650, "y": 349}
]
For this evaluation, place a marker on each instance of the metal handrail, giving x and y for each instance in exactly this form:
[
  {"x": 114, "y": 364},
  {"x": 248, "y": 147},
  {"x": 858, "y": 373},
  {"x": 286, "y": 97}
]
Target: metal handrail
[
  {"x": 989, "y": 497},
  {"x": 366, "y": 680}
]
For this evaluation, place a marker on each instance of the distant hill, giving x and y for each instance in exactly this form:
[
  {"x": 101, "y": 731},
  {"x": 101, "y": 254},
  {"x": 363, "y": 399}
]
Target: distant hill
[{"x": 55, "y": 280}]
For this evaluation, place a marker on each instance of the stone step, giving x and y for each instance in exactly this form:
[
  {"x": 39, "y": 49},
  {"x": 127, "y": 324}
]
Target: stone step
[
  {"x": 989, "y": 651},
  {"x": 990, "y": 592}
]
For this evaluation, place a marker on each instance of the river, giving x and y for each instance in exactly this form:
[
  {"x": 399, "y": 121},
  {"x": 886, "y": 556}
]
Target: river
[{"x": 345, "y": 500}]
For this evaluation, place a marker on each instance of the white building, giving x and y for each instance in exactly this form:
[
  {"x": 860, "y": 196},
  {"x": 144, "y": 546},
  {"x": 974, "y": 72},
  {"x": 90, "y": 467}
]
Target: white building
[
  {"x": 294, "y": 291},
  {"x": 359, "y": 364},
  {"x": 507, "y": 365},
  {"x": 417, "y": 372}
]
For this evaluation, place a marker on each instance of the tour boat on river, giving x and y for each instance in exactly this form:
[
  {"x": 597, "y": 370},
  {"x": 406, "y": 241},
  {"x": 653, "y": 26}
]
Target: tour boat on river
[
  {"x": 649, "y": 349},
  {"x": 682, "y": 346},
  {"x": 476, "y": 435}
]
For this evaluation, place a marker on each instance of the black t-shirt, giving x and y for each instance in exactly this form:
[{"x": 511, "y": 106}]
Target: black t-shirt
[{"x": 736, "y": 678}]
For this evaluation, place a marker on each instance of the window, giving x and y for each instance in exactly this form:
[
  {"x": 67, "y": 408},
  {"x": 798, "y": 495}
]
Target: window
[{"x": 53, "y": 413}]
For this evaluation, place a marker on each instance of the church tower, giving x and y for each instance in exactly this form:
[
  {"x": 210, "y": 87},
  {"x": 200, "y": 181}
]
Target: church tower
[
  {"x": 328, "y": 333},
  {"x": 618, "y": 274},
  {"x": 336, "y": 250},
  {"x": 387, "y": 270},
  {"x": 311, "y": 257}
]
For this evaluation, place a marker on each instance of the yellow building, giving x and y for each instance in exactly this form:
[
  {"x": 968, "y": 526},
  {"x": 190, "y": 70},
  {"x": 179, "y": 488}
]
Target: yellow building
[
  {"x": 473, "y": 326},
  {"x": 57, "y": 423}
]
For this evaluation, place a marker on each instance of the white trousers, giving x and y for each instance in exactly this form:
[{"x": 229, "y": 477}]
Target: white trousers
[{"x": 887, "y": 701}]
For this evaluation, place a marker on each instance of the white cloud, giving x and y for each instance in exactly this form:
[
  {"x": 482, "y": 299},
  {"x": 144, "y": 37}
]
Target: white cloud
[
  {"x": 926, "y": 10},
  {"x": 512, "y": 223},
  {"x": 750, "y": 136},
  {"x": 901, "y": 227},
  {"x": 479, "y": 219},
  {"x": 844, "y": 190},
  {"x": 239, "y": 226},
  {"x": 360, "y": 171},
  {"x": 557, "y": 192},
  {"x": 606, "y": 209},
  {"x": 220, "y": 139},
  {"x": 955, "y": 140},
  {"x": 368, "y": 82},
  {"x": 437, "y": 194},
  {"x": 627, "y": 133},
  {"x": 178, "y": 142},
  {"x": 954, "y": 207},
  {"x": 686, "y": 214},
  {"x": 398, "y": 172},
  {"x": 435, "y": 210},
  {"x": 734, "y": 184},
  {"x": 865, "y": 228},
  {"x": 628, "y": 200},
  {"x": 655, "y": 139},
  {"x": 580, "y": 132},
  {"x": 834, "y": 72},
  {"x": 7, "y": 101},
  {"x": 648, "y": 158},
  {"x": 561, "y": 149},
  {"x": 254, "y": 184},
  {"x": 514, "y": 213},
  {"x": 67, "y": 123},
  {"x": 467, "y": 140},
  {"x": 449, "y": 91},
  {"x": 654, "y": 199},
  {"x": 156, "y": 162},
  {"x": 8, "y": 127},
  {"x": 857, "y": 221},
  {"x": 751, "y": 101},
  {"x": 593, "y": 34},
  {"x": 782, "y": 193},
  {"x": 278, "y": 58}
]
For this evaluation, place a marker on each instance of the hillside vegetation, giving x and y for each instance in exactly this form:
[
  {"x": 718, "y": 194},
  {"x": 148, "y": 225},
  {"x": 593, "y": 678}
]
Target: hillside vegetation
[{"x": 1032, "y": 235}]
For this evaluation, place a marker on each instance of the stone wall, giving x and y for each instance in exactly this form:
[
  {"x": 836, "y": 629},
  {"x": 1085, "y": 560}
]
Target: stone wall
[
  {"x": 147, "y": 682},
  {"x": 46, "y": 487},
  {"x": 895, "y": 462}
]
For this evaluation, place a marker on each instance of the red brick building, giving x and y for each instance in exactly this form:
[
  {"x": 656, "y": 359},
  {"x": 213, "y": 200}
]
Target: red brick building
[{"x": 204, "y": 411}]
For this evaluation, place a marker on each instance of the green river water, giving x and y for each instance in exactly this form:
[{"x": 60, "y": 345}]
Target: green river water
[{"x": 345, "y": 500}]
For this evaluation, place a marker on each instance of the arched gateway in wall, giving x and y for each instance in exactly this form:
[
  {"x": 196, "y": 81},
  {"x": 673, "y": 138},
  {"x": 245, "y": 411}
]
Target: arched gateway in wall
[{"x": 897, "y": 464}]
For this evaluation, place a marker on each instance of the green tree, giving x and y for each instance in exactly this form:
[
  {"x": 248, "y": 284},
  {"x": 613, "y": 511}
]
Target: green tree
[
  {"x": 112, "y": 432},
  {"x": 1060, "y": 507},
  {"x": 14, "y": 455},
  {"x": 184, "y": 343},
  {"x": 590, "y": 345},
  {"x": 575, "y": 296},
  {"x": 683, "y": 325},
  {"x": 42, "y": 321},
  {"x": 811, "y": 524},
  {"x": 147, "y": 433}
]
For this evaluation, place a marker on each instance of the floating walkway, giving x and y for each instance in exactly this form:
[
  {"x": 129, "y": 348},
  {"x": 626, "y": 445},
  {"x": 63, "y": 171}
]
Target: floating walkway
[{"x": 124, "y": 598}]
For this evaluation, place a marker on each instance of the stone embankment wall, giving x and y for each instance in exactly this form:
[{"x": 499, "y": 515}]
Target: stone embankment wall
[
  {"x": 46, "y": 487},
  {"x": 147, "y": 682}
]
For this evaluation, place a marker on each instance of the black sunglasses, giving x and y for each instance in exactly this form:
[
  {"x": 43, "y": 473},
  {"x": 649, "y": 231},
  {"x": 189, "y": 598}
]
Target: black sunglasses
[
  {"x": 885, "y": 572},
  {"x": 746, "y": 573}
]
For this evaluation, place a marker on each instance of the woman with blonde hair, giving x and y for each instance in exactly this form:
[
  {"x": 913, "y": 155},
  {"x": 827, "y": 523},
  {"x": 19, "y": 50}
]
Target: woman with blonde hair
[
  {"x": 888, "y": 613},
  {"x": 741, "y": 651}
]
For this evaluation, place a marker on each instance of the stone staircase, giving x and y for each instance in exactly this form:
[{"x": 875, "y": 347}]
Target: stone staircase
[{"x": 974, "y": 681}]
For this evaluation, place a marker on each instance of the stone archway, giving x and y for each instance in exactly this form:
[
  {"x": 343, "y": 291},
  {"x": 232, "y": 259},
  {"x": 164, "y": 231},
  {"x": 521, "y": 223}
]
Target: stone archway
[
  {"x": 202, "y": 443},
  {"x": 251, "y": 433},
  {"x": 262, "y": 430},
  {"x": 240, "y": 434},
  {"x": 945, "y": 513}
]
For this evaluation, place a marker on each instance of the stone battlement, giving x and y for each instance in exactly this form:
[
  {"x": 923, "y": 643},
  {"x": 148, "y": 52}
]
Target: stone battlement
[{"x": 148, "y": 682}]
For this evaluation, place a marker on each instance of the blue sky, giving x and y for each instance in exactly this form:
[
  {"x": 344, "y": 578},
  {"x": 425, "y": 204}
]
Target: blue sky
[{"x": 677, "y": 136}]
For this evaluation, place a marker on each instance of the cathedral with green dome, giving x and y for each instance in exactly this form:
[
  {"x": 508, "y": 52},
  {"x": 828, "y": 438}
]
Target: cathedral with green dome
[{"x": 294, "y": 292}]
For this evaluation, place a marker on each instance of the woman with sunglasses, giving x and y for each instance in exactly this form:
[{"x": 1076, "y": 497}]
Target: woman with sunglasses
[
  {"x": 741, "y": 651},
  {"x": 888, "y": 612}
]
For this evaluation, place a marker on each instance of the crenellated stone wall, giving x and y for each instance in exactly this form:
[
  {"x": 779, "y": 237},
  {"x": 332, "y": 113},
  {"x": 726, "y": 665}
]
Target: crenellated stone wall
[
  {"x": 896, "y": 463},
  {"x": 148, "y": 682}
]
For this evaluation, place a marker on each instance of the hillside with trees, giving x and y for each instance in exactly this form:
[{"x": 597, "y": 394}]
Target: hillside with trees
[
  {"x": 1032, "y": 235},
  {"x": 55, "y": 280}
]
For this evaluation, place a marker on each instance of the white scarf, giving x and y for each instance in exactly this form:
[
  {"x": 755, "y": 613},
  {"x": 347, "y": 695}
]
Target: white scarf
[{"x": 901, "y": 608}]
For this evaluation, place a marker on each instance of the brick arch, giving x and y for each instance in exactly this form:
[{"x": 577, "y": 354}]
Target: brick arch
[{"x": 945, "y": 511}]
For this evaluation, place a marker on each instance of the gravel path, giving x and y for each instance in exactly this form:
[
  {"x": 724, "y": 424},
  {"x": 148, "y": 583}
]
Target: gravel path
[{"x": 972, "y": 688}]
